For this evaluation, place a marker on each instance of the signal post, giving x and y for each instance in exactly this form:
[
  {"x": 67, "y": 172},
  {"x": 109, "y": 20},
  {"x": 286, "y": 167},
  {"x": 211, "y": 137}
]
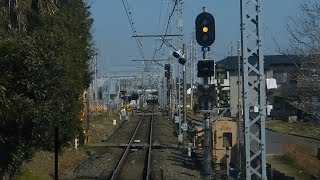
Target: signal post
[
  {"x": 167, "y": 74},
  {"x": 205, "y": 36}
]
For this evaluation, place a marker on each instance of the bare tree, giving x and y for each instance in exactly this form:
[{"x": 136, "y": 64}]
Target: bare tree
[{"x": 304, "y": 31}]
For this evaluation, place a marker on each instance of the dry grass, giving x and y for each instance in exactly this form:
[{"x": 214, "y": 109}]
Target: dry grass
[
  {"x": 304, "y": 157},
  {"x": 284, "y": 165},
  {"x": 101, "y": 126},
  {"x": 302, "y": 129},
  {"x": 42, "y": 164}
]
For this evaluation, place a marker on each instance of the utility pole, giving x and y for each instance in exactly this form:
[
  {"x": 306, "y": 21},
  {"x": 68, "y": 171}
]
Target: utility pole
[
  {"x": 239, "y": 108},
  {"x": 192, "y": 67},
  {"x": 95, "y": 93},
  {"x": 194, "y": 57},
  {"x": 182, "y": 94},
  {"x": 56, "y": 152},
  {"x": 142, "y": 86},
  {"x": 108, "y": 93},
  {"x": 87, "y": 98},
  {"x": 167, "y": 75},
  {"x": 179, "y": 11},
  {"x": 180, "y": 99},
  {"x": 95, "y": 77},
  {"x": 254, "y": 92},
  {"x": 191, "y": 64},
  {"x": 180, "y": 20},
  {"x": 170, "y": 107},
  {"x": 184, "y": 97}
]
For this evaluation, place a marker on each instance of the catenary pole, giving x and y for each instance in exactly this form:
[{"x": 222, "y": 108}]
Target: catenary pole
[{"x": 184, "y": 96}]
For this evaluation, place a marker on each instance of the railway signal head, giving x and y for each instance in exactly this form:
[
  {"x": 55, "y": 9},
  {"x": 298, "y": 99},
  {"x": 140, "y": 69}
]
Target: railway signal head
[
  {"x": 206, "y": 68},
  {"x": 167, "y": 70},
  {"x": 135, "y": 96},
  {"x": 207, "y": 91},
  {"x": 177, "y": 54},
  {"x": 180, "y": 57},
  {"x": 205, "y": 29},
  {"x": 182, "y": 61},
  {"x": 167, "y": 67}
]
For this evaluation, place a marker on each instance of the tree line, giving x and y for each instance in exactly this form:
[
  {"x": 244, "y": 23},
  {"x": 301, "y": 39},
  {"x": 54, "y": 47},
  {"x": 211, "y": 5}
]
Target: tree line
[
  {"x": 45, "y": 49},
  {"x": 304, "y": 33}
]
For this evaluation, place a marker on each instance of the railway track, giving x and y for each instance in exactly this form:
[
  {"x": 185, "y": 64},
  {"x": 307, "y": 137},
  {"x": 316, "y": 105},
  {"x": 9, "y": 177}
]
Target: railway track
[
  {"x": 155, "y": 156},
  {"x": 135, "y": 162}
]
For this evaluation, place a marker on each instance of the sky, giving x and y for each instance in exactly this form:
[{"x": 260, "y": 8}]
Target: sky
[{"x": 117, "y": 48}]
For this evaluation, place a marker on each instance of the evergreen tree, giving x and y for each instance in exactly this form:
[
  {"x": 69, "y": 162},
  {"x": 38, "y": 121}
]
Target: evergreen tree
[{"x": 45, "y": 46}]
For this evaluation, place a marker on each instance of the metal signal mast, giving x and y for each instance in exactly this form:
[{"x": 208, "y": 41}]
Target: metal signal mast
[{"x": 254, "y": 94}]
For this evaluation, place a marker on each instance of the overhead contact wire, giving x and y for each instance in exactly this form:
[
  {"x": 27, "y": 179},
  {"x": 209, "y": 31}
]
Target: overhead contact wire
[
  {"x": 166, "y": 31},
  {"x": 134, "y": 32}
]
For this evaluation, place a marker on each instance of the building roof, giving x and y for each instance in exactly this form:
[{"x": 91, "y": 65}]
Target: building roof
[{"x": 231, "y": 62}]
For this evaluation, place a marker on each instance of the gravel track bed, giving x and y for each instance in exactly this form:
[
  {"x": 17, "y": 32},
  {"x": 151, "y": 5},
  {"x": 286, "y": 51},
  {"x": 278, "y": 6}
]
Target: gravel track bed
[
  {"x": 123, "y": 135},
  {"x": 167, "y": 163},
  {"x": 134, "y": 165},
  {"x": 133, "y": 168},
  {"x": 101, "y": 164},
  {"x": 143, "y": 132},
  {"x": 96, "y": 165},
  {"x": 172, "y": 163}
]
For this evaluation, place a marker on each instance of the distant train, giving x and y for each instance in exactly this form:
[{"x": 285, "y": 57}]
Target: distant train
[
  {"x": 152, "y": 98},
  {"x": 152, "y": 101}
]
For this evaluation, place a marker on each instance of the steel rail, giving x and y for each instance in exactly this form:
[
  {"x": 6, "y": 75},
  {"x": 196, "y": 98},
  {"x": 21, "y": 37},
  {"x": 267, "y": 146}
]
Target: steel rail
[
  {"x": 126, "y": 152},
  {"x": 150, "y": 149}
]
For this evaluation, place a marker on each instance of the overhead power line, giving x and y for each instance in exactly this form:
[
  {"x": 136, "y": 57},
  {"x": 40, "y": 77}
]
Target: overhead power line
[
  {"x": 166, "y": 31},
  {"x": 134, "y": 32}
]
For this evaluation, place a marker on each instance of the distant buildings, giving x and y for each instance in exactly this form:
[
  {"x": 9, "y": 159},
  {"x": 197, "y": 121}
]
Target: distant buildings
[{"x": 278, "y": 72}]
